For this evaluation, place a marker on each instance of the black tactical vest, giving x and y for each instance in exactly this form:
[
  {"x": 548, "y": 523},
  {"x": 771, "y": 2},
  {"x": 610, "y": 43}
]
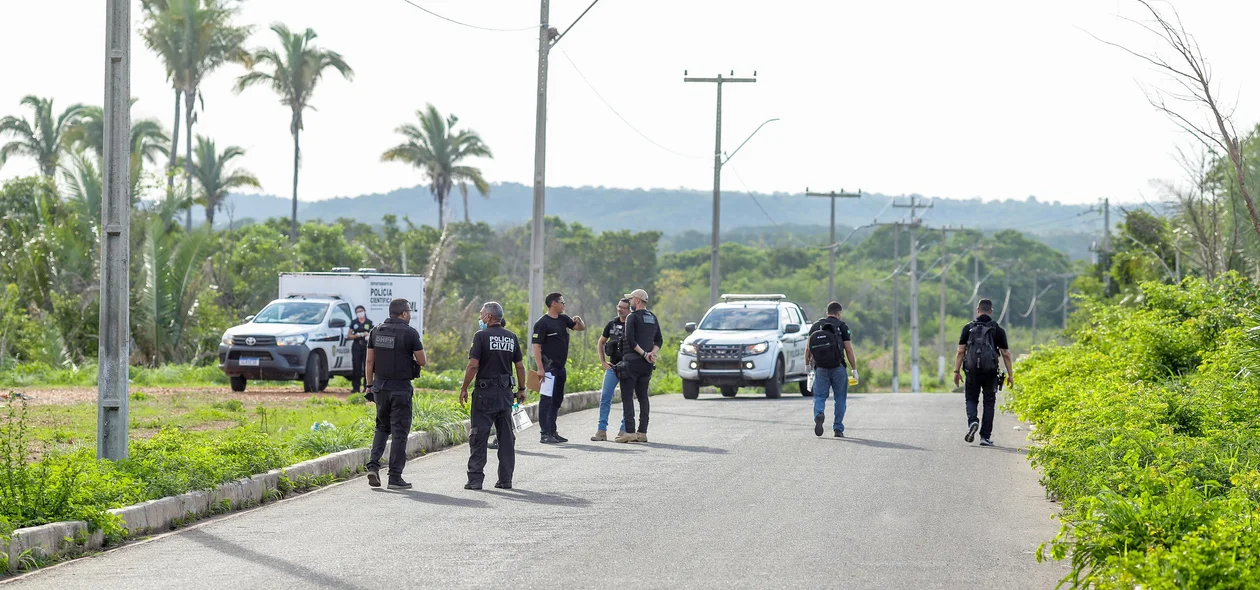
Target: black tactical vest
[{"x": 393, "y": 359}]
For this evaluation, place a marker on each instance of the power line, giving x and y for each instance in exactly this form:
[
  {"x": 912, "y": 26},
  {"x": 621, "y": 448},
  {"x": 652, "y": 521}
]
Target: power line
[
  {"x": 758, "y": 203},
  {"x": 463, "y": 24},
  {"x": 614, "y": 111}
]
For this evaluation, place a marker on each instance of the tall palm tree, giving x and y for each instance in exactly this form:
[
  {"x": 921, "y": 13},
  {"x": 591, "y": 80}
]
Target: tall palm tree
[
  {"x": 194, "y": 37},
  {"x": 41, "y": 138},
  {"x": 438, "y": 149},
  {"x": 210, "y": 168},
  {"x": 294, "y": 72}
]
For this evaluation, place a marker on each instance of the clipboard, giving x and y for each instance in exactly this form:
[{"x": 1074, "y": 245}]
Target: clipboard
[{"x": 532, "y": 381}]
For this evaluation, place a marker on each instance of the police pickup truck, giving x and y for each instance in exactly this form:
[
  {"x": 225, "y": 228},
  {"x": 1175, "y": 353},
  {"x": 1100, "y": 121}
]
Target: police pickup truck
[
  {"x": 747, "y": 340},
  {"x": 302, "y": 335}
]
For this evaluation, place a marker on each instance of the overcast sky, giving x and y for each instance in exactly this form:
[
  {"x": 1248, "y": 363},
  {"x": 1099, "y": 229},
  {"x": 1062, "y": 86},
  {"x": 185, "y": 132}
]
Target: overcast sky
[{"x": 987, "y": 98}]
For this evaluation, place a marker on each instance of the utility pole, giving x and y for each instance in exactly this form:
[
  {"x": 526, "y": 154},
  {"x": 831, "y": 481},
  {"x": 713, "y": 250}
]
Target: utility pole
[
  {"x": 831, "y": 280},
  {"x": 112, "y": 352},
  {"x": 1106, "y": 259},
  {"x": 1066, "y": 300},
  {"x": 895, "y": 303},
  {"x": 715, "y": 274},
  {"x": 914, "y": 205},
  {"x": 548, "y": 37},
  {"x": 940, "y": 360}
]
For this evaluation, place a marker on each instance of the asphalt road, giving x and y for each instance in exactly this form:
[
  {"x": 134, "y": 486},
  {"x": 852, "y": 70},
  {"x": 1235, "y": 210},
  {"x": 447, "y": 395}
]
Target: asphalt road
[{"x": 729, "y": 493}]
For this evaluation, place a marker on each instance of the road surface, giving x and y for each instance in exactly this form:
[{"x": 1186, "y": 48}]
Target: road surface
[{"x": 729, "y": 493}]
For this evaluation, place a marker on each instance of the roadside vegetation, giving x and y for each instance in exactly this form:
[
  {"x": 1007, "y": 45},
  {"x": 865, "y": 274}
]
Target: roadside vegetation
[{"x": 1148, "y": 432}]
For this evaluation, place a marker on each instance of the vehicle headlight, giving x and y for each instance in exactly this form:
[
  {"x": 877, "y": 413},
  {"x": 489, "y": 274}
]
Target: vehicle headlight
[
  {"x": 758, "y": 348},
  {"x": 226, "y": 339},
  {"x": 298, "y": 340},
  {"x": 688, "y": 349}
]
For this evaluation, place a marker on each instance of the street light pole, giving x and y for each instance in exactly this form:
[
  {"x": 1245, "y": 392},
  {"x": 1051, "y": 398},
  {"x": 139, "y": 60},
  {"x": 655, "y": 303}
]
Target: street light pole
[
  {"x": 548, "y": 37},
  {"x": 115, "y": 297},
  {"x": 715, "y": 274}
]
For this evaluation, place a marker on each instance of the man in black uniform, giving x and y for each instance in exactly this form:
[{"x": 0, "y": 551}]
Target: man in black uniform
[
  {"x": 643, "y": 338},
  {"x": 360, "y": 327},
  {"x": 394, "y": 358},
  {"x": 494, "y": 352},
  {"x": 551, "y": 352},
  {"x": 980, "y": 344}
]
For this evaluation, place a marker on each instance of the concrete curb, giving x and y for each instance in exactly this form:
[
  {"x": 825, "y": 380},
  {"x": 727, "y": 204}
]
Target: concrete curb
[{"x": 66, "y": 539}]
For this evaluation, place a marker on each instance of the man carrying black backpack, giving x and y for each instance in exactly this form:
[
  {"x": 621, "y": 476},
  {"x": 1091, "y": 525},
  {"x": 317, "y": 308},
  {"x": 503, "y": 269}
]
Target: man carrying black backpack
[
  {"x": 829, "y": 342},
  {"x": 981, "y": 344}
]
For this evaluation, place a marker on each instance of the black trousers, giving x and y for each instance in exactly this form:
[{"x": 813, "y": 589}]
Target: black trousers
[
  {"x": 549, "y": 406},
  {"x": 977, "y": 383},
  {"x": 358, "y": 358},
  {"x": 491, "y": 409},
  {"x": 636, "y": 387},
  {"x": 393, "y": 418}
]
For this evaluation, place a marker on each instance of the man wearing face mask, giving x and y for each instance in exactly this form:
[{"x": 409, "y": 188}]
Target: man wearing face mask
[
  {"x": 495, "y": 352},
  {"x": 360, "y": 327}
]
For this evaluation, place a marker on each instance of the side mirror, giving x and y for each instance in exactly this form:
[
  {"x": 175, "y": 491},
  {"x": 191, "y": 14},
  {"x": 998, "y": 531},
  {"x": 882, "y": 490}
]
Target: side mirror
[
  {"x": 249, "y": 318},
  {"x": 791, "y": 328},
  {"x": 337, "y": 323},
  {"x": 690, "y": 327}
]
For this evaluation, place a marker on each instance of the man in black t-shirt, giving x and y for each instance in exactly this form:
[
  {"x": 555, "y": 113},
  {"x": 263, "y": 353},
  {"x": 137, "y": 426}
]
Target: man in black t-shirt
[
  {"x": 612, "y": 347},
  {"x": 394, "y": 355},
  {"x": 981, "y": 380},
  {"x": 550, "y": 344},
  {"x": 643, "y": 344},
  {"x": 833, "y": 377},
  {"x": 495, "y": 352}
]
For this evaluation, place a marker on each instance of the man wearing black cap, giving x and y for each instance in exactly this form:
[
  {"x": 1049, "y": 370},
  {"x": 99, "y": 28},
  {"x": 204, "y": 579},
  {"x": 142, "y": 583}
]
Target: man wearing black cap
[{"x": 643, "y": 337}]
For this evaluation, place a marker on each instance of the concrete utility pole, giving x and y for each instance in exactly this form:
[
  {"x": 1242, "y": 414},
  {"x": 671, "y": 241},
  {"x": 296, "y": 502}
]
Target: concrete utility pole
[
  {"x": 1106, "y": 260},
  {"x": 914, "y": 205},
  {"x": 940, "y": 360},
  {"x": 715, "y": 275},
  {"x": 831, "y": 280},
  {"x": 895, "y": 303},
  {"x": 113, "y": 350}
]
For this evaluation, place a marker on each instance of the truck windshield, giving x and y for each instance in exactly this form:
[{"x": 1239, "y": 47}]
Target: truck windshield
[
  {"x": 737, "y": 318},
  {"x": 292, "y": 312}
]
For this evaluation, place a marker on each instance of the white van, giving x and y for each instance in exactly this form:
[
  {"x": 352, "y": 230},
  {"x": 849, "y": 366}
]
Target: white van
[{"x": 302, "y": 335}]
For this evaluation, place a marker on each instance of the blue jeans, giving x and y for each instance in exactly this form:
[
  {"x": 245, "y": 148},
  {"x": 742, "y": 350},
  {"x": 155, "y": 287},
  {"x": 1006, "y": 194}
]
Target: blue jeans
[
  {"x": 826, "y": 381},
  {"x": 606, "y": 398}
]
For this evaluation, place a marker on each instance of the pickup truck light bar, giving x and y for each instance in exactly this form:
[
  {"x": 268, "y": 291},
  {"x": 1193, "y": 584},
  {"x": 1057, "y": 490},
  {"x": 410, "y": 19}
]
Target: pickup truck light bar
[{"x": 753, "y": 297}]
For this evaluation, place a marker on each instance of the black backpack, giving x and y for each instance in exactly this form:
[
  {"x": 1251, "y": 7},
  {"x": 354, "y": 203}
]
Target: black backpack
[
  {"x": 982, "y": 353},
  {"x": 824, "y": 347}
]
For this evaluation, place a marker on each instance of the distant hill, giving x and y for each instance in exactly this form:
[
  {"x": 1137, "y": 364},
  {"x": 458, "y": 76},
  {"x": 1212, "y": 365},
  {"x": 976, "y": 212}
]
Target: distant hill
[{"x": 685, "y": 216}]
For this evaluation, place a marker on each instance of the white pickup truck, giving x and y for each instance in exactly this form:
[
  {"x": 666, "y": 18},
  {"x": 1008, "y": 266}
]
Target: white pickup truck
[
  {"x": 302, "y": 335},
  {"x": 747, "y": 340}
]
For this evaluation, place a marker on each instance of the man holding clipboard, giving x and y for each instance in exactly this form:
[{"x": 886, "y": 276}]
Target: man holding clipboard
[{"x": 550, "y": 347}]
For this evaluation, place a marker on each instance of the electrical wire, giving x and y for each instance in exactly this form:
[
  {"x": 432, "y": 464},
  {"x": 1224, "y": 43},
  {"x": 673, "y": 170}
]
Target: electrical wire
[
  {"x": 463, "y": 24},
  {"x": 614, "y": 111}
]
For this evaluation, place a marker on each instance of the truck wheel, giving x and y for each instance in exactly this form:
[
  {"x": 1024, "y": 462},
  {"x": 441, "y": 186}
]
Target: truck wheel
[
  {"x": 729, "y": 391},
  {"x": 314, "y": 368},
  {"x": 238, "y": 383},
  {"x": 691, "y": 389},
  {"x": 323, "y": 384},
  {"x": 774, "y": 385},
  {"x": 805, "y": 388}
]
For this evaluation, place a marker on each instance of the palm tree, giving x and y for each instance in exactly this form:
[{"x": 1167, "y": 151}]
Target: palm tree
[
  {"x": 210, "y": 168},
  {"x": 147, "y": 136},
  {"x": 194, "y": 37},
  {"x": 42, "y": 138},
  {"x": 437, "y": 148},
  {"x": 295, "y": 70}
]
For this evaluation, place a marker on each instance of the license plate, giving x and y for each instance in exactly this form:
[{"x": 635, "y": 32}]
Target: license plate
[{"x": 249, "y": 362}]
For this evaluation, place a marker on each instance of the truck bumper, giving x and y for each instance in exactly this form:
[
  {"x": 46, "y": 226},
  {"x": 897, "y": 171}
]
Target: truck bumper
[
  {"x": 273, "y": 362},
  {"x": 752, "y": 370}
]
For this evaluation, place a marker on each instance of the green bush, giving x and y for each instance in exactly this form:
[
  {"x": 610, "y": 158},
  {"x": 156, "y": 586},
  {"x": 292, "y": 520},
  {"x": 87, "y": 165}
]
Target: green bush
[
  {"x": 325, "y": 440},
  {"x": 1148, "y": 431},
  {"x": 441, "y": 417}
]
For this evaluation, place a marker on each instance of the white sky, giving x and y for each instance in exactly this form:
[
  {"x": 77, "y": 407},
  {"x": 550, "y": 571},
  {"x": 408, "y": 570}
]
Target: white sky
[{"x": 988, "y": 98}]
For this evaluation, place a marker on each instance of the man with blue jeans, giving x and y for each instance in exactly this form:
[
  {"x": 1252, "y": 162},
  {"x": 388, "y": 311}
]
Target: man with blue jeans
[
  {"x": 611, "y": 347},
  {"x": 830, "y": 373}
]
